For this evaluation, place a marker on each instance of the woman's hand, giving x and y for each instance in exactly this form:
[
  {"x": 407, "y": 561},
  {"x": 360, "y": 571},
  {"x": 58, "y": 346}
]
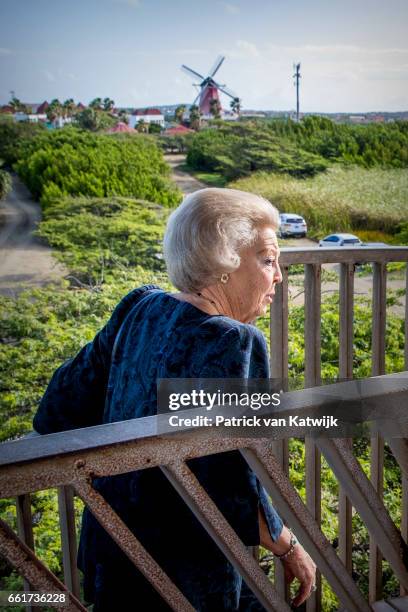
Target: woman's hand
[
  {"x": 300, "y": 565},
  {"x": 297, "y": 565}
]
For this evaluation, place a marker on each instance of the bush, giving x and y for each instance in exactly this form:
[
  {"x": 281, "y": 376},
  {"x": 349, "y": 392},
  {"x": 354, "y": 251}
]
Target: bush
[
  {"x": 95, "y": 237},
  {"x": 238, "y": 150},
  {"x": 14, "y": 138},
  {"x": 5, "y": 183},
  {"x": 78, "y": 163}
]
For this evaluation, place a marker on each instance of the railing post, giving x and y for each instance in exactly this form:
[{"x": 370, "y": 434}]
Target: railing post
[
  {"x": 404, "y": 483},
  {"x": 68, "y": 538},
  {"x": 377, "y": 443},
  {"x": 25, "y": 531},
  {"x": 346, "y": 337},
  {"x": 279, "y": 370},
  {"x": 313, "y": 378}
]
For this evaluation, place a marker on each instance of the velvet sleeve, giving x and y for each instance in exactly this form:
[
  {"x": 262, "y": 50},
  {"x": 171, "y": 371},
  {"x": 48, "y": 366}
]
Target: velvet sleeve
[
  {"x": 75, "y": 396},
  {"x": 241, "y": 352}
]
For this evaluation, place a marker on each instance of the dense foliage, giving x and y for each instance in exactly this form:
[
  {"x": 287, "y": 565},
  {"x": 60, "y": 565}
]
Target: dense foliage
[
  {"x": 341, "y": 199},
  {"x": 14, "y": 138},
  {"x": 96, "y": 237},
  {"x": 236, "y": 150},
  {"x": 5, "y": 183},
  {"x": 374, "y": 144},
  {"x": 72, "y": 162}
]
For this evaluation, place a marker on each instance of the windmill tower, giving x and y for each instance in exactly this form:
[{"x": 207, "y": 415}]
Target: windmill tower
[{"x": 209, "y": 88}]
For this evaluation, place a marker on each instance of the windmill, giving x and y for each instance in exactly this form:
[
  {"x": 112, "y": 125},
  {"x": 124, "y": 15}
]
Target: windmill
[{"x": 209, "y": 88}]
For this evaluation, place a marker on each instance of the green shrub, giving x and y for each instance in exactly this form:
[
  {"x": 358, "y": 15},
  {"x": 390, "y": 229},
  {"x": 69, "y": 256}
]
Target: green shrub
[
  {"x": 5, "y": 183},
  {"x": 14, "y": 138},
  {"x": 78, "y": 163},
  {"x": 96, "y": 237},
  {"x": 238, "y": 150}
]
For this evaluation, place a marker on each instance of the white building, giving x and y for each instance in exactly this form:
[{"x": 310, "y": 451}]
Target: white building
[{"x": 148, "y": 115}]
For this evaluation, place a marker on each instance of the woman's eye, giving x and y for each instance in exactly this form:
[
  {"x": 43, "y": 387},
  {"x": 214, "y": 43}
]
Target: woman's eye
[{"x": 270, "y": 261}]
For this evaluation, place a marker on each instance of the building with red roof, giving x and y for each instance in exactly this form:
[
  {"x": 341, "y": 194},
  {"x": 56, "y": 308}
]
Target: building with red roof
[
  {"x": 121, "y": 128},
  {"x": 148, "y": 115},
  {"x": 177, "y": 130}
]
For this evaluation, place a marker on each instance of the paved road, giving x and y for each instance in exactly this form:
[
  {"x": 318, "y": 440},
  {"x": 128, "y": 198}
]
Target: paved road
[{"x": 24, "y": 261}]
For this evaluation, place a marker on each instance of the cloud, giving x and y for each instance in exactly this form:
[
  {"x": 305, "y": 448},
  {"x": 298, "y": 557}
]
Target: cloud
[
  {"x": 231, "y": 9},
  {"x": 4, "y": 51}
]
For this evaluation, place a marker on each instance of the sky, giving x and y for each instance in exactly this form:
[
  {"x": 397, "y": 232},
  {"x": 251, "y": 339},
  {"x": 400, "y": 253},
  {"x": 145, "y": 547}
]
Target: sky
[{"x": 353, "y": 53}]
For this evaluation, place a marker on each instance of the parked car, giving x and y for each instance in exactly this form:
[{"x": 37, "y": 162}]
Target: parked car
[
  {"x": 292, "y": 225},
  {"x": 340, "y": 240}
]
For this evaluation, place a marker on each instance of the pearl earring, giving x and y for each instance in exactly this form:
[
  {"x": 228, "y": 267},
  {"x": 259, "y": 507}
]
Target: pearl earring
[{"x": 224, "y": 278}]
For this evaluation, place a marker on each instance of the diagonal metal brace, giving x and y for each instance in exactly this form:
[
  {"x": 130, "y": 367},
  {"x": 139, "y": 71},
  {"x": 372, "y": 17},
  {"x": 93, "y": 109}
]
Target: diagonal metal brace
[
  {"x": 198, "y": 500},
  {"x": 290, "y": 505},
  {"x": 34, "y": 571},
  {"x": 371, "y": 508},
  {"x": 131, "y": 546}
]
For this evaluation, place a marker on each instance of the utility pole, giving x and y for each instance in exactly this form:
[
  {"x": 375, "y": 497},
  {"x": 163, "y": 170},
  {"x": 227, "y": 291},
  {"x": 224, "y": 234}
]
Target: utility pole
[{"x": 297, "y": 77}]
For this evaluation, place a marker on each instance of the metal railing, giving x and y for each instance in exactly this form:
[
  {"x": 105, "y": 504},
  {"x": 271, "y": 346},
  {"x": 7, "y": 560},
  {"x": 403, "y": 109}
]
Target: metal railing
[{"x": 70, "y": 460}]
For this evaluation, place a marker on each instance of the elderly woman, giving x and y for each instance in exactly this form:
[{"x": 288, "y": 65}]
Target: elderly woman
[{"x": 222, "y": 255}]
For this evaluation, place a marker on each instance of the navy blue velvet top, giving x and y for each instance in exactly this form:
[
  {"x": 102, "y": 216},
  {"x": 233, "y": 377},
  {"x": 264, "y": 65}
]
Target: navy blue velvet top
[{"x": 153, "y": 335}]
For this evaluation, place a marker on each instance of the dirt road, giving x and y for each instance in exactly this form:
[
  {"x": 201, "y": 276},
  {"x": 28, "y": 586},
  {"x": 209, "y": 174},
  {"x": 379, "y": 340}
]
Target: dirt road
[
  {"x": 186, "y": 182},
  {"x": 24, "y": 261},
  {"x": 362, "y": 285}
]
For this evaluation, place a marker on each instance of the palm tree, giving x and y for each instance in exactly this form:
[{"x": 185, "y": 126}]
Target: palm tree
[
  {"x": 235, "y": 105},
  {"x": 96, "y": 103},
  {"x": 215, "y": 108},
  {"x": 108, "y": 104},
  {"x": 55, "y": 110},
  {"x": 69, "y": 107},
  {"x": 179, "y": 112},
  {"x": 142, "y": 126},
  {"x": 195, "y": 117},
  {"x": 18, "y": 106}
]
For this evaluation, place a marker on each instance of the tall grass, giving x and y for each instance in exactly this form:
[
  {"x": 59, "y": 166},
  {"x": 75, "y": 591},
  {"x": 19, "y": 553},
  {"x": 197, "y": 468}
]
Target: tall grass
[{"x": 338, "y": 200}]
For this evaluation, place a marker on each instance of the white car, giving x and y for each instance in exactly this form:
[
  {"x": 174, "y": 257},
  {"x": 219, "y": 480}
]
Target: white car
[
  {"x": 292, "y": 225},
  {"x": 340, "y": 240}
]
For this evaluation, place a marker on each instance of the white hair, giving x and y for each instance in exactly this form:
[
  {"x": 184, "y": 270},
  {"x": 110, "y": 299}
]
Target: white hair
[{"x": 205, "y": 234}]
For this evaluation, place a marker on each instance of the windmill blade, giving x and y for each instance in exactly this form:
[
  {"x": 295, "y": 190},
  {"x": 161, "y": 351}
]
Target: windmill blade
[
  {"x": 228, "y": 92},
  {"x": 192, "y": 72},
  {"x": 217, "y": 65},
  {"x": 196, "y": 100}
]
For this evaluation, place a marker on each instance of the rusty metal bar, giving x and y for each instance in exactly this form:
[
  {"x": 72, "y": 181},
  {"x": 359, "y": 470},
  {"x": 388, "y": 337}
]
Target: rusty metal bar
[
  {"x": 279, "y": 370},
  {"x": 34, "y": 571},
  {"x": 187, "y": 485},
  {"x": 313, "y": 378},
  {"x": 377, "y": 443},
  {"x": 367, "y": 503},
  {"x": 131, "y": 546},
  {"x": 290, "y": 505},
  {"x": 68, "y": 538},
  {"x": 346, "y": 338},
  {"x": 321, "y": 255},
  {"x": 25, "y": 531}
]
